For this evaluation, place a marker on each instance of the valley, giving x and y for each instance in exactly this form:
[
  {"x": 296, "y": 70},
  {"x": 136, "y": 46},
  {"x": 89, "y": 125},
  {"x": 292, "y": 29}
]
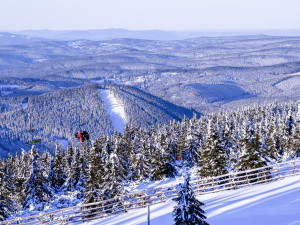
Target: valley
[
  {"x": 196, "y": 75},
  {"x": 153, "y": 109}
]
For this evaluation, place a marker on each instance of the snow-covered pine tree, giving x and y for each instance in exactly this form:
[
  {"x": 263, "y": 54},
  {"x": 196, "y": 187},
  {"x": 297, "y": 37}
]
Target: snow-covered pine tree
[
  {"x": 58, "y": 175},
  {"x": 75, "y": 178},
  {"x": 6, "y": 204},
  {"x": 37, "y": 186},
  {"x": 113, "y": 178},
  {"x": 159, "y": 160},
  {"x": 288, "y": 134},
  {"x": 52, "y": 178},
  {"x": 250, "y": 153},
  {"x": 213, "y": 157},
  {"x": 193, "y": 144},
  {"x": 20, "y": 177},
  {"x": 271, "y": 139},
  {"x": 91, "y": 192},
  {"x": 182, "y": 138},
  {"x": 45, "y": 161},
  {"x": 296, "y": 134},
  {"x": 189, "y": 209},
  {"x": 250, "y": 150},
  {"x": 94, "y": 172},
  {"x": 122, "y": 147},
  {"x": 141, "y": 161}
]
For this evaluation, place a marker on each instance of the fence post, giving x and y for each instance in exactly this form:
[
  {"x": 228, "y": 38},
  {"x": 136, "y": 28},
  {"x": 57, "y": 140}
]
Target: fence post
[
  {"x": 103, "y": 209},
  {"x": 41, "y": 218},
  {"x": 233, "y": 181},
  {"x": 230, "y": 180},
  {"x": 204, "y": 185},
  {"x": 143, "y": 201},
  {"x": 278, "y": 171},
  {"x": 295, "y": 169},
  {"x": 62, "y": 221},
  {"x": 198, "y": 187},
  {"x": 265, "y": 175},
  {"x": 148, "y": 217},
  {"x": 123, "y": 203},
  {"x": 162, "y": 197},
  {"x": 247, "y": 178}
]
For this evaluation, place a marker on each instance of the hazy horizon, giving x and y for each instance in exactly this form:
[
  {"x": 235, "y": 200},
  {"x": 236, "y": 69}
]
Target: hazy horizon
[{"x": 169, "y": 15}]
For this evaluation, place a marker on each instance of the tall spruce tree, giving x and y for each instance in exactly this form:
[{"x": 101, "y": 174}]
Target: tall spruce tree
[
  {"x": 37, "y": 187},
  {"x": 58, "y": 175},
  {"x": 6, "y": 203},
  {"x": 250, "y": 150},
  {"x": 213, "y": 158}
]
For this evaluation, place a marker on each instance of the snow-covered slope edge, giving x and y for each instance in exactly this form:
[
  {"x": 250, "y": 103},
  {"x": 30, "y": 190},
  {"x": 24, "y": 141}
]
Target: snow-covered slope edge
[
  {"x": 275, "y": 203},
  {"x": 281, "y": 170}
]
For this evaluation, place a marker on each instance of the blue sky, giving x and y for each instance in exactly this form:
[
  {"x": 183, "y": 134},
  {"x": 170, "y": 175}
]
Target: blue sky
[{"x": 149, "y": 14}]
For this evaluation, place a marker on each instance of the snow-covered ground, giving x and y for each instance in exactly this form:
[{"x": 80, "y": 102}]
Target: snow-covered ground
[
  {"x": 64, "y": 142},
  {"x": 25, "y": 104},
  {"x": 7, "y": 89},
  {"x": 115, "y": 109},
  {"x": 276, "y": 203}
]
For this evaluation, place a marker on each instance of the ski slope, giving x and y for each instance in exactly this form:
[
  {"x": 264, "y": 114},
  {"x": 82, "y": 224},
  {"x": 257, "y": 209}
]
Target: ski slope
[
  {"x": 276, "y": 203},
  {"x": 115, "y": 109}
]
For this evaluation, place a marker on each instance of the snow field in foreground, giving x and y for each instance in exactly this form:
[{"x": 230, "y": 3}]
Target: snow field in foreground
[
  {"x": 276, "y": 203},
  {"x": 115, "y": 109}
]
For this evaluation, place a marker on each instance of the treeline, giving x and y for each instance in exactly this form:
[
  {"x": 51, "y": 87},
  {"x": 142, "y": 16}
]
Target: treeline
[
  {"x": 58, "y": 115},
  {"x": 215, "y": 143},
  {"x": 53, "y": 116}
]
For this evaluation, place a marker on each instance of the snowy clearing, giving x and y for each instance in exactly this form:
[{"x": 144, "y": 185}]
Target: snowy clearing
[
  {"x": 115, "y": 109},
  {"x": 276, "y": 203},
  {"x": 25, "y": 105},
  {"x": 64, "y": 142},
  {"x": 4, "y": 93},
  {"x": 289, "y": 83},
  {"x": 220, "y": 92},
  {"x": 8, "y": 86}
]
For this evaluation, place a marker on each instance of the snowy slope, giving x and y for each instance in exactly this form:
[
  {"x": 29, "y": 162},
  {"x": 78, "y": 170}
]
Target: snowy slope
[
  {"x": 276, "y": 203},
  {"x": 115, "y": 109}
]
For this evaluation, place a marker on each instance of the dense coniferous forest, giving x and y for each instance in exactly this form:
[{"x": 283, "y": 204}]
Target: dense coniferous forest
[
  {"x": 215, "y": 143},
  {"x": 57, "y": 115}
]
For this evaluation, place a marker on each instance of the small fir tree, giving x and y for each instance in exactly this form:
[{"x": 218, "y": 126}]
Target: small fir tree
[{"x": 188, "y": 210}]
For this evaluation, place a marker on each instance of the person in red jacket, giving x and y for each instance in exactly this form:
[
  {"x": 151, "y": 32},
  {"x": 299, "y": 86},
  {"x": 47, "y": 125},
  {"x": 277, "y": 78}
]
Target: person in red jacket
[{"x": 80, "y": 136}]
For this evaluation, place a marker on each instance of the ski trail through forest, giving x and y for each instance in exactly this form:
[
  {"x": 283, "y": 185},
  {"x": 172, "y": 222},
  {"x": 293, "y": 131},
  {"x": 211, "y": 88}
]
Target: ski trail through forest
[{"x": 115, "y": 109}]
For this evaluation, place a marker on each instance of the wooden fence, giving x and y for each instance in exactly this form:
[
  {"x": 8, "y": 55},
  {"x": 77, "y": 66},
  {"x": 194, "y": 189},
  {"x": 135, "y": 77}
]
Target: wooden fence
[{"x": 83, "y": 213}]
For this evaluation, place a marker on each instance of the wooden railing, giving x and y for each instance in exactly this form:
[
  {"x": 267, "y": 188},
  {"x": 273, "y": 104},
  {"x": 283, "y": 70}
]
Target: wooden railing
[{"x": 85, "y": 212}]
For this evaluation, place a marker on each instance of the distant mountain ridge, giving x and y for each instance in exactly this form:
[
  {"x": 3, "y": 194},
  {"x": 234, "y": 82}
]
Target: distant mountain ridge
[
  {"x": 7, "y": 38},
  {"x": 113, "y": 33}
]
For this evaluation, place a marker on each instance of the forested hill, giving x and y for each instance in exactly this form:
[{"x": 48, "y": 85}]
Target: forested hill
[
  {"x": 54, "y": 117},
  {"x": 213, "y": 145}
]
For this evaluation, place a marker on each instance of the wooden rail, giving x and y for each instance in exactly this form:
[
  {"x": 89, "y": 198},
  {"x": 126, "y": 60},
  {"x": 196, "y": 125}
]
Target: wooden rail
[{"x": 231, "y": 181}]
